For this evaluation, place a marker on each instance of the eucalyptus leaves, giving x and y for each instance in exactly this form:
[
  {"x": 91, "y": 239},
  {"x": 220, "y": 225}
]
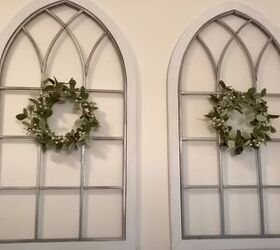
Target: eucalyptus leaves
[
  {"x": 35, "y": 115},
  {"x": 249, "y": 102}
]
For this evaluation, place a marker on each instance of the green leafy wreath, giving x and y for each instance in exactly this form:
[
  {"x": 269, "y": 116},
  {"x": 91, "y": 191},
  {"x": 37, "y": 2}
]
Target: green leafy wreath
[
  {"x": 35, "y": 115},
  {"x": 249, "y": 103}
]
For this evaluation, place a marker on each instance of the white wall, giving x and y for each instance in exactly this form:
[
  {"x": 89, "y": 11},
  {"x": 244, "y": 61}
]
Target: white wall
[{"x": 152, "y": 28}]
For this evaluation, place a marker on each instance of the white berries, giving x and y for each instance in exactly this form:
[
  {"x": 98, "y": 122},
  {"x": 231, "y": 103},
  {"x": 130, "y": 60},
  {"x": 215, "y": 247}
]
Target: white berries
[{"x": 249, "y": 102}]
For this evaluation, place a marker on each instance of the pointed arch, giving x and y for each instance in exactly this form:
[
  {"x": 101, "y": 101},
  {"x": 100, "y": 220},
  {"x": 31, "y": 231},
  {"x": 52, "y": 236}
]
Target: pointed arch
[{"x": 181, "y": 240}]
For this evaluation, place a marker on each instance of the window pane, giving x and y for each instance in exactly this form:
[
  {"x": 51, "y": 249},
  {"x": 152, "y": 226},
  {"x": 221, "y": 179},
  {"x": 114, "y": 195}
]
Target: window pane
[
  {"x": 59, "y": 214},
  {"x": 270, "y": 163},
  {"x": 21, "y": 67},
  {"x": 104, "y": 163},
  {"x": 196, "y": 60},
  {"x": 103, "y": 213},
  {"x": 105, "y": 70},
  {"x": 209, "y": 35},
  {"x": 11, "y": 104},
  {"x": 61, "y": 168},
  {"x": 242, "y": 212},
  {"x": 17, "y": 215},
  {"x": 272, "y": 208},
  {"x": 22, "y": 169},
  {"x": 274, "y": 108},
  {"x": 109, "y": 114},
  {"x": 201, "y": 210},
  {"x": 199, "y": 170},
  {"x": 269, "y": 72},
  {"x": 240, "y": 169},
  {"x": 194, "y": 124}
]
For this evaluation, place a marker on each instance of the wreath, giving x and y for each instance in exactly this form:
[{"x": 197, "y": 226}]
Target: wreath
[
  {"x": 35, "y": 115},
  {"x": 253, "y": 106}
]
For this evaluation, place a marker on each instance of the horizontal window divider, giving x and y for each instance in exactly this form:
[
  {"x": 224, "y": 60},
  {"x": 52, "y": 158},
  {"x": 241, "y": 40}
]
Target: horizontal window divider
[
  {"x": 199, "y": 139},
  {"x": 271, "y": 186},
  {"x": 27, "y": 137},
  {"x": 201, "y": 187},
  {"x": 62, "y": 239},
  {"x": 103, "y": 187},
  {"x": 215, "y": 93},
  {"x": 18, "y": 188},
  {"x": 102, "y": 239},
  {"x": 61, "y": 188},
  {"x": 241, "y": 186},
  {"x": 272, "y": 95},
  {"x": 230, "y": 186},
  {"x": 107, "y": 138},
  {"x": 198, "y": 92},
  {"x": 15, "y": 137},
  {"x": 106, "y": 91},
  {"x": 215, "y": 139},
  {"x": 275, "y": 139},
  {"x": 19, "y": 88},
  {"x": 227, "y": 236}
]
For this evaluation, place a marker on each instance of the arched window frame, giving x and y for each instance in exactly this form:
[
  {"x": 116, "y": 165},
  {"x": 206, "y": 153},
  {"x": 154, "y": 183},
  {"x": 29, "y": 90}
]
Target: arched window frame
[
  {"x": 173, "y": 98},
  {"x": 127, "y": 241}
]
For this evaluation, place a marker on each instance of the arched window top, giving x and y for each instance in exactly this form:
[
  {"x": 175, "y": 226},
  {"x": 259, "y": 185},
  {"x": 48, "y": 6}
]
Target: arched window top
[
  {"x": 233, "y": 22},
  {"x": 65, "y": 22},
  {"x": 219, "y": 16},
  {"x": 233, "y": 43}
]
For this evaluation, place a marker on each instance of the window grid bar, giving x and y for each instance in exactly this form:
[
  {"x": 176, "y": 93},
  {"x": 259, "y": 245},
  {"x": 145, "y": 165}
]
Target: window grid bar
[
  {"x": 259, "y": 173},
  {"x": 227, "y": 236},
  {"x": 200, "y": 187},
  {"x": 220, "y": 166},
  {"x": 260, "y": 191},
  {"x": 37, "y": 199},
  {"x": 82, "y": 180},
  {"x": 213, "y": 139},
  {"x": 77, "y": 188},
  {"x": 207, "y": 93},
  {"x": 19, "y": 88},
  {"x": 124, "y": 164},
  {"x": 93, "y": 239},
  {"x": 58, "y": 188},
  {"x": 221, "y": 188},
  {"x": 230, "y": 187},
  {"x": 183, "y": 229},
  {"x": 94, "y": 138}
]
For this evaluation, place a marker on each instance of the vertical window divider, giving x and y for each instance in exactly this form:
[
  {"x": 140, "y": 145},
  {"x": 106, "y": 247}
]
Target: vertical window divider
[
  {"x": 220, "y": 177},
  {"x": 260, "y": 192},
  {"x": 82, "y": 183},
  {"x": 38, "y": 193},
  {"x": 221, "y": 188},
  {"x": 259, "y": 170}
]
